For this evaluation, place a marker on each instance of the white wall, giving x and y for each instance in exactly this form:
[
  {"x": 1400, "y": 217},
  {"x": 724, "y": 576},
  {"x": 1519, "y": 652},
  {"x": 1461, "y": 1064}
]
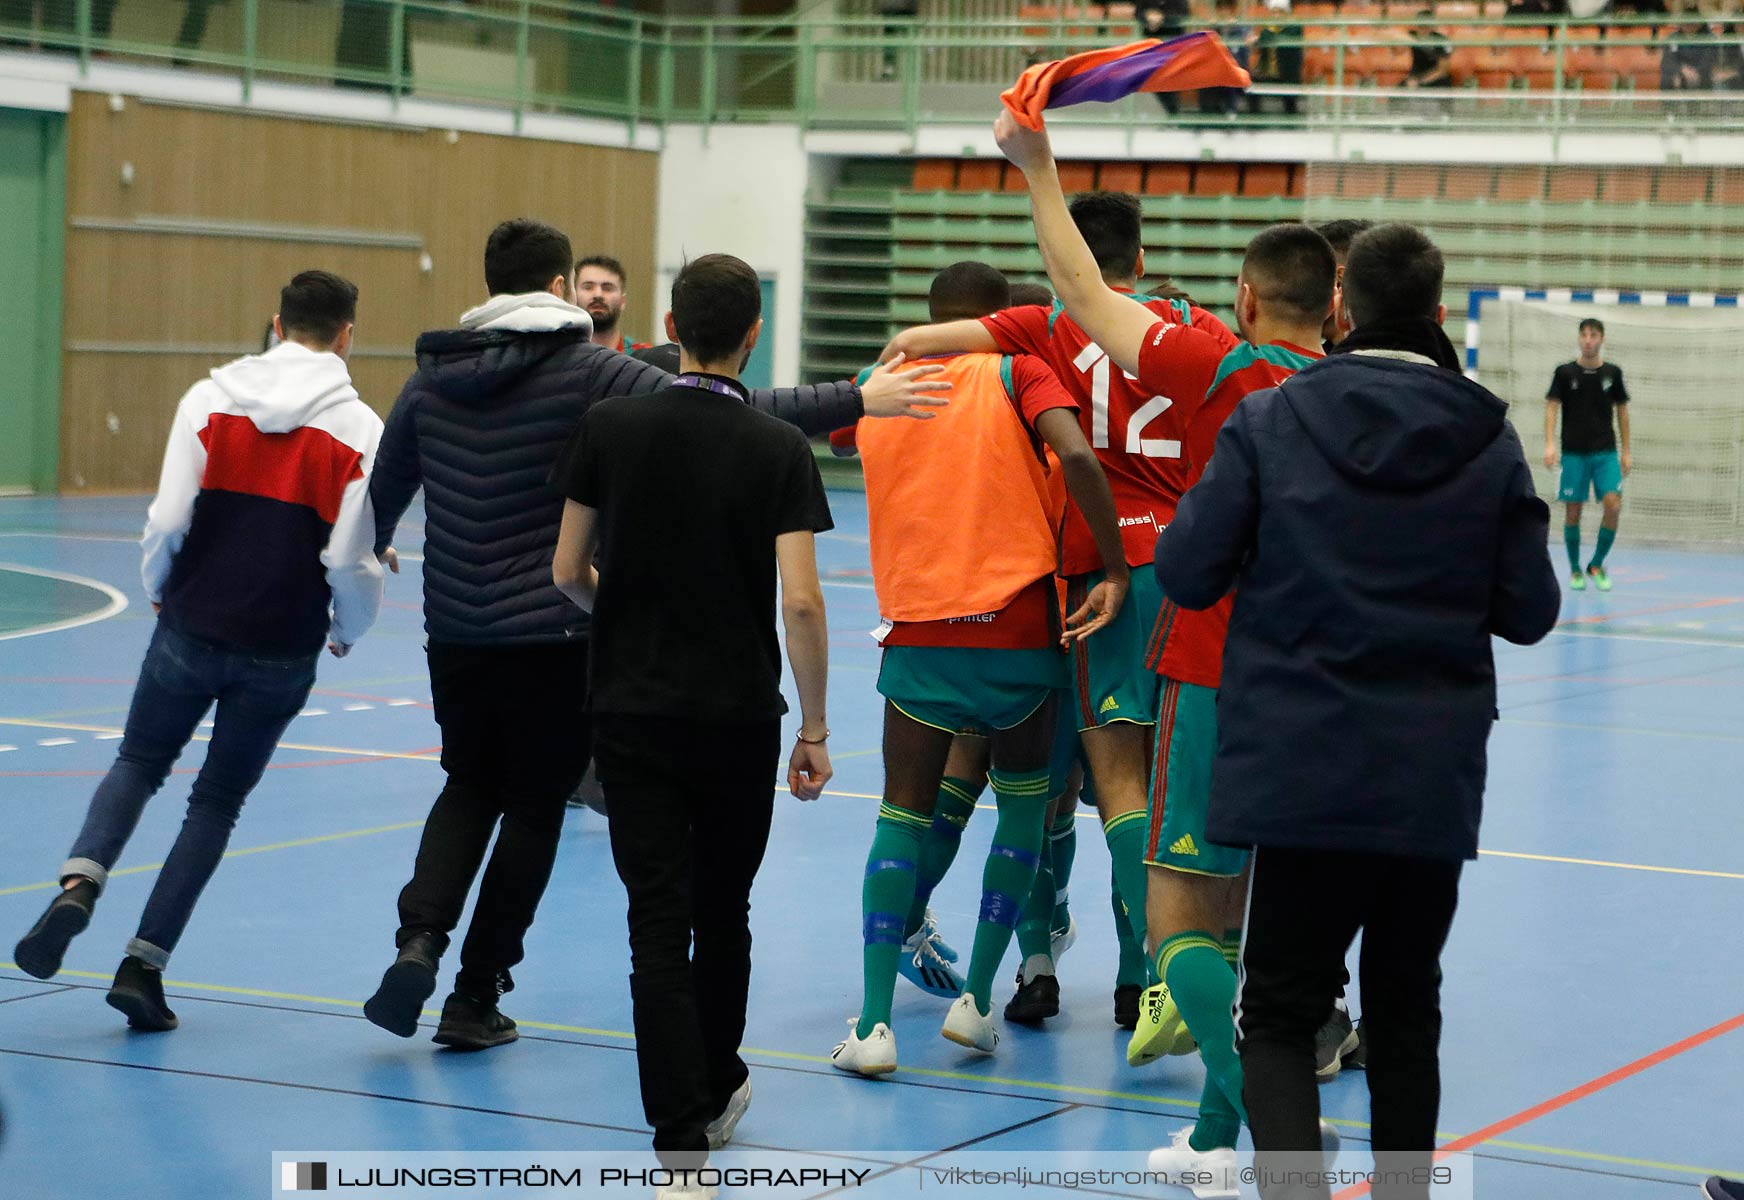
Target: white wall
[{"x": 738, "y": 190}]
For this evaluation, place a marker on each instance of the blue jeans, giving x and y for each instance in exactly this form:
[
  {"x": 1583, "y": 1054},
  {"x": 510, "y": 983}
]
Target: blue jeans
[{"x": 179, "y": 681}]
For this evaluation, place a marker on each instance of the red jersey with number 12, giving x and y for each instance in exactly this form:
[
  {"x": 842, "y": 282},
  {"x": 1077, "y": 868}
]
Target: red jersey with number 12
[
  {"x": 1188, "y": 645},
  {"x": 1137, "y": 430}
]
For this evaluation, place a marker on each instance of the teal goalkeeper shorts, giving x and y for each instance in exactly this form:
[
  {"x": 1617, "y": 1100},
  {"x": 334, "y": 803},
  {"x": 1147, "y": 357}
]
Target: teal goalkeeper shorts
[
  {"x": 970, "y": 690},
  {"x": 1601, "y": 473}
]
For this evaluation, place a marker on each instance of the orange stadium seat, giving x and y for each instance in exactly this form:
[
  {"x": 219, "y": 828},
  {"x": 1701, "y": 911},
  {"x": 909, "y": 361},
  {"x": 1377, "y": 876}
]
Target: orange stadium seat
[
  {"x": 1520, "y": 183},
  {"x": 1416, "y": 182},
  {"x": 1217, "y": 179},
  {"x": 1168, "y": 179},
  {"x": 1077, "y": 177},
  {"x": 980, "y": 175},
  {"x": 1266, "y": 179},
  {"x": 1571, "y": 185},
  {"x": 935, "y": 175},
  {"x": 1729, "y": 186},
  {"x": 1120, "y": 177},
  {"x": 1468, "y": 183},
  {"x": 1360, "y": 181},
  {"x": 1628, "y": 186},
  {"x": 1681, "y": 186}
]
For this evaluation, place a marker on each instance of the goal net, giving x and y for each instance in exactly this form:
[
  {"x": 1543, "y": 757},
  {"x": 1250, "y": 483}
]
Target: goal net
[{"x": 1682, "y": 360}]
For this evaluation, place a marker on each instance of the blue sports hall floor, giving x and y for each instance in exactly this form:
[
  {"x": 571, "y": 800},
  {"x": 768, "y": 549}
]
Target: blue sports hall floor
[{"x": 1594, "y": 1041}]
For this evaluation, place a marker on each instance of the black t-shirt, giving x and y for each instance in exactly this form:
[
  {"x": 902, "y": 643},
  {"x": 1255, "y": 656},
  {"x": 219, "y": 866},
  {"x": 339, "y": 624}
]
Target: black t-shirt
[
  {"x": 693, "y": 487},
  {"x": 1429, "y": 49},
  {"x": 1587, "y": 394}
]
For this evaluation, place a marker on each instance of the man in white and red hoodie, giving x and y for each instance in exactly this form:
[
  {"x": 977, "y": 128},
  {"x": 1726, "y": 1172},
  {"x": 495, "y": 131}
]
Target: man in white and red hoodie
[{"x": 259, "y": 547}]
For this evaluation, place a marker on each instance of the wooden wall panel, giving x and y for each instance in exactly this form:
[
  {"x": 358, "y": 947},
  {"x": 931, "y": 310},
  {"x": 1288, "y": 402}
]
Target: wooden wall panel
[{"x": 213, "y": 294}]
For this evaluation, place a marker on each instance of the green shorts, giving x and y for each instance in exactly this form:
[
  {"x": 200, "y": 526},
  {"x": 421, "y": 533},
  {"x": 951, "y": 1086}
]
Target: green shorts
[
  {"x": 1067, "y": 750},
  {"x": 963, "y": 689},
  {"x": 1599, "y": 473},
  {"x": 1181, "y": 784},
  {"x": 1110, "y": 679}
]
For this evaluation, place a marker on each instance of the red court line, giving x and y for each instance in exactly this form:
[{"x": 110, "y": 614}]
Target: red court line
[
  {"x": 1600, "y": 619},
  {"x": 1591, "y": 1087}
]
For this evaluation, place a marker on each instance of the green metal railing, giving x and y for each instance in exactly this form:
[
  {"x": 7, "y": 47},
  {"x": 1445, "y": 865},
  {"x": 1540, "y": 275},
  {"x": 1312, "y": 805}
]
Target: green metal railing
[{"x": 870, "y": 72}]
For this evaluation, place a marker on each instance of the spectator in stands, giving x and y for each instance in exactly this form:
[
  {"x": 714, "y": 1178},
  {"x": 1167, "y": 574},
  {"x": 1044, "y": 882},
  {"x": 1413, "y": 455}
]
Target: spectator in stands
[
  {"x": 1163, "y": 19},
  {"x": 899, "y": 17},
  {"x": 1276, "y": 56},
  {"x": 1431, "y": 57},
  {"x": 58, "y": 20},
  {"x": 1537, "y": 8},
  {"x": 1227, "y": 24}
]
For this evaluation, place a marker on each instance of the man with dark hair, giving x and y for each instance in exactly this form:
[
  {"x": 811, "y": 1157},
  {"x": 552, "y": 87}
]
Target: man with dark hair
[
  {"x": 258, "y": 548},
  {"x": 1023, "y": 294},
  {"x": 965, "y": 290},
  {"x": 670, "y": 675},
  {"x": 1586, "y": 392},
  {"x": 971, "y": 638},
  {"x": 479, "y": 426},
  {"x": 599, "y": 288},
  {"x": 1375, "y": 515},
  {"x": 1195, "y": 897},
  {"x": 1138, "y": 431},
  {"x": 1339, "y": 234}
]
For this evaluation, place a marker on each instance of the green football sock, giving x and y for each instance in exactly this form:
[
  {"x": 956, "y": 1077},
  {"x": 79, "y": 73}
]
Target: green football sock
[
  {"x": 1202, "y": 986},
  {"x": 1126, "y": 846},
  {"x": 1009, "y": 874},
  {"x": 938, "y": 849},
  {"x": 1135, "y": 964},
  {"x": 1062, "y": 849},
  {"x": 1035, "y": 925},
  {"x": 884, "y": 897},
  {"x": 1571, "y": 539},
  {"x": 1606, "y": 537},
  {"x": 1232, "y": 949}
]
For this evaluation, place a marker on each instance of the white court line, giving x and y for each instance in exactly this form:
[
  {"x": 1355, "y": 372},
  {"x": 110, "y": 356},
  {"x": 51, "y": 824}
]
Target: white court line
[
  {"x": 841, "y": 583},
  {"x": 1648, "y": 637},
  {"x": 117, "y": 602},
  {"x": 55, "y": 742}
]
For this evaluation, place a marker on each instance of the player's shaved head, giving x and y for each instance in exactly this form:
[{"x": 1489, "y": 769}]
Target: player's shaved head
[
  {"x": 1031, "y": 293},
  {"x": 1342, "y": 232},
  {"x": 1394, "y": 270},
  {"x": 1293, "y": 270},
  {"x": 966, "y": 290}
]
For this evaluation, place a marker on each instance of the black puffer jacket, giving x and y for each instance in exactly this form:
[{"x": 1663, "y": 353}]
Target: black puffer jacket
[{"x": 478, "y": 426}]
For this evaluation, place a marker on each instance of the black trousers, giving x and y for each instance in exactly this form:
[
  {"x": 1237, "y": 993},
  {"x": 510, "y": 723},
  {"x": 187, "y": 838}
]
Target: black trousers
[
  {"x": 1304, "y": 909},
  {"x": 514, "y": 744},
  {"x": 690, "y": 805}
]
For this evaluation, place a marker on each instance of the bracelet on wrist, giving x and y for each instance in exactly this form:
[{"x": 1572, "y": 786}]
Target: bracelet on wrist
[{"x": 814, "y": 741}]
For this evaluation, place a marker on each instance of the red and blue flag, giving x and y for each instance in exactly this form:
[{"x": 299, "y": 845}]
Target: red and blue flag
[{"x": 1181, "y": 64}]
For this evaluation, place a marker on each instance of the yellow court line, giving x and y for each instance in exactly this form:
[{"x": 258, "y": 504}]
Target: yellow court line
[
  {"x": 924, "y": 1072},
  {"x": 1620, "y": 866},
  {"x": 242, "y": 853},
  {"x": 1618, "y": 1159}
]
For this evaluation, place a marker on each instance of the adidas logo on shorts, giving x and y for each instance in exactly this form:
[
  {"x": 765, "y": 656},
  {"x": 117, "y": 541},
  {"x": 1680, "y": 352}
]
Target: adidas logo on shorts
[
  {"x": 1184, "y": 845},
  {"x": 1109, "y": 705}
]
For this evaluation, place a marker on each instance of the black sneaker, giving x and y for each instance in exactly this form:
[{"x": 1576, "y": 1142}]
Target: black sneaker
[
  {"x": 138, "y": 992},
  {"x": 1717, "y": 1188},
  {"x": 1126, "y": 1005},
  {"x": 1035, "y": 1001},
  {"x": 405, "y": 986},
  {"x": 1336, "y": 1039},
  {"x": 469, "y": 1024},
  {"x": 40, "y": 951}
]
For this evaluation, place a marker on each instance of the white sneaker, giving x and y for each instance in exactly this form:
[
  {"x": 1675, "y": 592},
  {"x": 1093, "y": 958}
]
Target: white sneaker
[
  {"x": 965, "y": 1026},
  {"x": 1213, "y": 1172},
  {"x": 720, "y": 1130},
  {"x": 1061, "y": 940},
  {"x": 872, "y": 1055}
]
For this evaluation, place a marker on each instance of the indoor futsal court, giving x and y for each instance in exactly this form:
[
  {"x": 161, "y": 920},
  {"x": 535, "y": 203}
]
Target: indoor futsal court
[{"x": 1592, "y": 1041}]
